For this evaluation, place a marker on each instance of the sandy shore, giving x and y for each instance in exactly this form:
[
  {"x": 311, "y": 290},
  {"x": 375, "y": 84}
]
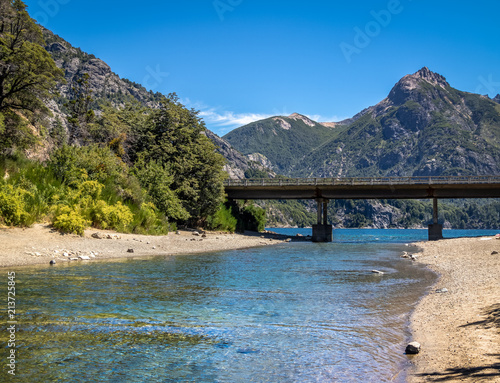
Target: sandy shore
[
  {"x": 459, "y": 330},
  {"x": 40, "y": 244}
]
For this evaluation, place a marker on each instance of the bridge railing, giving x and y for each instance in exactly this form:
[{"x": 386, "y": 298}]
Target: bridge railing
[{"x": 343, "y": 181}]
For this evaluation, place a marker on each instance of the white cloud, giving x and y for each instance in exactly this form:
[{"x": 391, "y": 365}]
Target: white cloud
[
  {"x": 223, "y": 121},
  {"x": 228, "y": 118}
]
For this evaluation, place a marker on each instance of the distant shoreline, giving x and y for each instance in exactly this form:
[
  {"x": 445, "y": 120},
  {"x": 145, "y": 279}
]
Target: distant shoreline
[
  {"x": 40, "y": 244},
  {"x": 458, "y": 321}
]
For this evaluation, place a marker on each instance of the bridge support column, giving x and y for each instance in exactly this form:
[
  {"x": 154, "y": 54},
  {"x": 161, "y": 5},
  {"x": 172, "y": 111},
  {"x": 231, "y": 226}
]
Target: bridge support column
[
  {"x": 322, "y": 232},
  {"x": 435, "y": 230}
]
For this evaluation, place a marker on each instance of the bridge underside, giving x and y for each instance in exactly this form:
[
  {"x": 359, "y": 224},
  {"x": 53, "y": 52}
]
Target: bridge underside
[
  {"x": 388, "y": 192},
  {"x": 403, "y": 188}
]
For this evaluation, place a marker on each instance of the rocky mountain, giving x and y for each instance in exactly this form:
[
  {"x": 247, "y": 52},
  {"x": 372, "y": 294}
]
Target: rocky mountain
[
  {"x": 238, "y": 165},
  {"x": 107, "y": 87},
  {"x": 280, "y": 141},
  {"x": 424, "y": 127},
  {"x": 104, "y": 84}
]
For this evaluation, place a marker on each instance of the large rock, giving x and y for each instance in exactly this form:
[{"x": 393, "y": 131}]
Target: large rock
[{"x": 413, "y": 348}]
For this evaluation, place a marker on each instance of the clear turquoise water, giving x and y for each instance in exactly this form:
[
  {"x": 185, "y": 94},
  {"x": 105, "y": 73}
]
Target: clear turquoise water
[{"x": 297, "y": 312}]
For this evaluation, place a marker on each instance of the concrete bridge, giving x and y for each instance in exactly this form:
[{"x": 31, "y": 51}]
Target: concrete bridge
[{"x": 324, "y": 189}]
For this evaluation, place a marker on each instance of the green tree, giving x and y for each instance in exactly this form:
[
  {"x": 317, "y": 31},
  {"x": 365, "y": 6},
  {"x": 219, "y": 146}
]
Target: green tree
[
  {"x": 28, "y": 76},
  {"x": 156, "y": 179},
  {"x": 174, "y": 138},
  {"x": 115, "y": 127}
]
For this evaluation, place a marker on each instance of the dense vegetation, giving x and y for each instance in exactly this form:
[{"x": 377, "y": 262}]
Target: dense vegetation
[{"x": 131, "y": 168}]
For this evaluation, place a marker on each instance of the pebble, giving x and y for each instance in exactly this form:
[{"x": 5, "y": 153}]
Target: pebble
[
  {"x": 413, "y": 348},
  {"x": 130, "y": 250},
  {"x": 441, "y": 291}
]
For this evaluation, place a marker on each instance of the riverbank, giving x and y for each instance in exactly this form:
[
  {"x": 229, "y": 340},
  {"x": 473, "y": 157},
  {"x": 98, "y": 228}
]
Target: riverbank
[
  {"x": 458, "y": 322},
  {"x": 40, "y": 244}
]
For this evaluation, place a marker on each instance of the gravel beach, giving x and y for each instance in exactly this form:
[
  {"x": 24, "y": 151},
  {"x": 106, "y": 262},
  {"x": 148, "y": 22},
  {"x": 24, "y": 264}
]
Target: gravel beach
[
  {"x": 458, "y": 322},
  {"x": 40, "y": 244}
]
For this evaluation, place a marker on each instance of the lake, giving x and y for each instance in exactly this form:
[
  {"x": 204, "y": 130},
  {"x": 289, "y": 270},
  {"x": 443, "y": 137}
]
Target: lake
[{"x": 295, "y": 312}]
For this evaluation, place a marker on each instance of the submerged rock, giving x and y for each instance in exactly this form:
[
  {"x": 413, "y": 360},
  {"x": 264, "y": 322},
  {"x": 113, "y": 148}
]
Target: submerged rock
[{"x": 247, "y": 351}]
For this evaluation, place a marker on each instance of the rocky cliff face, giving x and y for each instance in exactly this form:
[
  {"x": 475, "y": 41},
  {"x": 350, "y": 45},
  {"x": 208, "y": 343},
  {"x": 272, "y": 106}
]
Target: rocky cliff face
[
  {"x": 104, "y": 83},
  {"x": 107, "y": 86}
]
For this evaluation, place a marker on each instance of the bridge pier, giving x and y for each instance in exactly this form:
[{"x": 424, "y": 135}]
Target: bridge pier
[
  {"x": 435, "y": 230},
  {"x": 322, "y": 232}
]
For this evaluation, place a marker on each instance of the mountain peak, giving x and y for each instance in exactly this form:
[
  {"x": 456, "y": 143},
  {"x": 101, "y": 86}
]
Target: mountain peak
[
  {"x": 497, "y": 98},
  {"x": 429, "y": 76},
  {"x": 306, "y": 120},
  {"x": 407, "y": 86}
]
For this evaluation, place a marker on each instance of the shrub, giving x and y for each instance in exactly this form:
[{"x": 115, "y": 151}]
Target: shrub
[
  {"x": 254, "y": 218},
  {"x": 12, "y": 207},
  {"x": 116, "y": 216},
  {"x": 92, "y": 189},
  {"x": 222, "y": 220},
  {"x": 148, "y": 220},
  {"x": 69, "y": 221}
]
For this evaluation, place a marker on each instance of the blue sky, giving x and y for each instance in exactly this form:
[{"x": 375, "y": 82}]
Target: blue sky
[{"x": 241, "y": 60}]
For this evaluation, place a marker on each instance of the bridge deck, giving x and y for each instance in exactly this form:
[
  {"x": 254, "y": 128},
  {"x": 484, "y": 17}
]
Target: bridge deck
[{"x": 365, "y": 188}]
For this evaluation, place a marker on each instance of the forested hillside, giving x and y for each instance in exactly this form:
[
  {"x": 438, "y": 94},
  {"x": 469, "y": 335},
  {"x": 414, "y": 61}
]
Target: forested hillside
[{"x": 81, "y": 147}]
